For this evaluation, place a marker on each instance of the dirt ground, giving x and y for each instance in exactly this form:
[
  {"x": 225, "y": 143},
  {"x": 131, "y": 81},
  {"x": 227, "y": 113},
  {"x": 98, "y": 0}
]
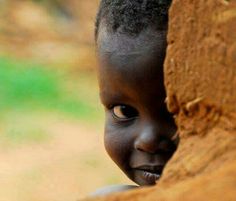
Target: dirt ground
[{"x": 70, "y": 165}]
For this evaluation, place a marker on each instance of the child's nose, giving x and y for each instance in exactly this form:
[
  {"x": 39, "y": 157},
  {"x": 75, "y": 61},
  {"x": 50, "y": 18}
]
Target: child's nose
[{"x": 151, "y": 140}]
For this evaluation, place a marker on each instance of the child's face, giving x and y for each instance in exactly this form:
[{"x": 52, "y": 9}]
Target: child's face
[{"x": 138, "y": 128}]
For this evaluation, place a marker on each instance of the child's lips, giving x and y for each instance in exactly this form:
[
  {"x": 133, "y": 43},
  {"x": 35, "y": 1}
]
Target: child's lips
[
  {"x": 150, "y": 168},
  {"x": 150, "y": 173}
]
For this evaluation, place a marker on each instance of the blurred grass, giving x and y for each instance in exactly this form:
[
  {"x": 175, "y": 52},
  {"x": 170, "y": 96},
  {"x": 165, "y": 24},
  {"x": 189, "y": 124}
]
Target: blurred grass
[
  {"x": 27, "y": 88},
  {"x": 26, "y": 85}
]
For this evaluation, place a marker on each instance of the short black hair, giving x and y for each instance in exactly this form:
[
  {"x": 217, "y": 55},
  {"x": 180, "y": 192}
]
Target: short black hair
[{"x": 132, "y": 16}]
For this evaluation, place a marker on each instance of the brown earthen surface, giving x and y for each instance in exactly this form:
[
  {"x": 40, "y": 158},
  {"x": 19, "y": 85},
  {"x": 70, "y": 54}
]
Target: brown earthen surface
[{"x": 200, "y": 77}]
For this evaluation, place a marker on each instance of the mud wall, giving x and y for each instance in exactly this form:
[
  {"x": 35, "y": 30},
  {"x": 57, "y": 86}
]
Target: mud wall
[{"x": 200, "y": 77}]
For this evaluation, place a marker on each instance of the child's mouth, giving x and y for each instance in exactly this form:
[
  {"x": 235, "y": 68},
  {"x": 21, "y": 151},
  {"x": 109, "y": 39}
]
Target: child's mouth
[
  {"x": 151, "y": 177},
  {"x": 150, "y": 173}
]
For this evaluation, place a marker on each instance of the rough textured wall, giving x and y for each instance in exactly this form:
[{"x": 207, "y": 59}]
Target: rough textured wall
[{"x": 200, "y": 77}]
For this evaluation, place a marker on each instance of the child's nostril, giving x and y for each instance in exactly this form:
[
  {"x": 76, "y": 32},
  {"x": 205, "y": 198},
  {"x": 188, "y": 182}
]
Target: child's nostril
[
  {"x": 139, "y": 149},
  {"x": 149, "y": 147},
  {"x": 163, "y": 146}
]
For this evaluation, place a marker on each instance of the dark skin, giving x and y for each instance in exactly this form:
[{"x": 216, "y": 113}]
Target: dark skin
[{"x": 139, "y": 130}]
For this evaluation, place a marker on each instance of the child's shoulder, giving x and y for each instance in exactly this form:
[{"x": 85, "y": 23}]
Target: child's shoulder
[{"x": 112, "y": 189}]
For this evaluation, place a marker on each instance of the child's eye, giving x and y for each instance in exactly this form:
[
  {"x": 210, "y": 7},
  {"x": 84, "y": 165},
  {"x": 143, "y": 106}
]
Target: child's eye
[{"x": 124, "y": 112}]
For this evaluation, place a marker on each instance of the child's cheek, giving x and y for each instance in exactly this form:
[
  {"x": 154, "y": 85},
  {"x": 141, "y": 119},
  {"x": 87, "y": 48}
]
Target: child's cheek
[{"x": 117, "y": 145}]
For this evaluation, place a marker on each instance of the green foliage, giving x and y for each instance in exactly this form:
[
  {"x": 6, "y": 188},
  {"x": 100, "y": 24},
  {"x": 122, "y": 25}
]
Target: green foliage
[
  {"x": 24, "y": 84},
  {"x": 27, "y": 88},
  {"x": 31, "y": 86}
]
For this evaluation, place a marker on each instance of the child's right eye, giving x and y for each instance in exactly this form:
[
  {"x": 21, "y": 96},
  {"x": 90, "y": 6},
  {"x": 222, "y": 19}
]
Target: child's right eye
[{"x": 124, "y": 112}]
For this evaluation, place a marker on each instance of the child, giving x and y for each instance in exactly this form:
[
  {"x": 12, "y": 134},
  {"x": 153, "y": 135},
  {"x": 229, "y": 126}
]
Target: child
[{"x": 131, "y": 43}]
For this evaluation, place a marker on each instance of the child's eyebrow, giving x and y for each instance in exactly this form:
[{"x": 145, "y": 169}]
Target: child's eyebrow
[{"x": 112, "y": 98}]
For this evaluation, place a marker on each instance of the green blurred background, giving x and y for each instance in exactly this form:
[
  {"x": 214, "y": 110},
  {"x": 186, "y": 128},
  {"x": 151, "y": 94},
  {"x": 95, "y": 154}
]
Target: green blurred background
[{"x": 51, "y": 121}]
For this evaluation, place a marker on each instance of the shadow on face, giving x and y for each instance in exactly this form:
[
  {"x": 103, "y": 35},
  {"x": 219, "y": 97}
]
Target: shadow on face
[{"x": 139, "y": 129}]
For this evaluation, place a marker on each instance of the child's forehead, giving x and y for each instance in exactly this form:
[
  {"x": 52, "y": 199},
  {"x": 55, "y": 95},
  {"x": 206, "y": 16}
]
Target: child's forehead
[
  {"x": 131, "y": 61},
  {"x": 149, "y": 40},
  {"x": 124, "y": 52}
]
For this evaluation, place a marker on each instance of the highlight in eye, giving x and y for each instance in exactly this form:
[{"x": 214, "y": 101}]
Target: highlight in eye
[{"x": 124, "y": 112}]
